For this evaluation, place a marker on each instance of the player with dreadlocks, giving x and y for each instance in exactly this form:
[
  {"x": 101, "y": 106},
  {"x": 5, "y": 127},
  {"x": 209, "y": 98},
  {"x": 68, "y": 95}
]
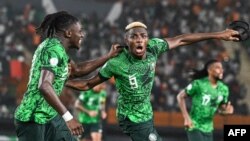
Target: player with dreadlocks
[
  {"x": 41, "y": 115},
  {"x": 208, "y": 94}
]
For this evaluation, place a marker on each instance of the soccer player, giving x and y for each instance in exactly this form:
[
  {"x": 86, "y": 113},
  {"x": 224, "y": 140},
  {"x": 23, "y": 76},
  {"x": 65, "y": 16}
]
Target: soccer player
[
  {"x": 41, "y": 115},
  {"x": 134, "y": 71},
  {"x": 209, "y": 94},
  {"x": 91, "y": 107}
]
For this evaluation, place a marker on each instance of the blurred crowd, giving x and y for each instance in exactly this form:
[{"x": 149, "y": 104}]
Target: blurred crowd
[{"x": 165, "y": 18}]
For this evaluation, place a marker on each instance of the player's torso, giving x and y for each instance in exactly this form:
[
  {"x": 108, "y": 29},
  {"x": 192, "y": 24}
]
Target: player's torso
[
  {"x": 34, "y": 106},
  {"x": 134, "y": 78},
  {"x": 206, "y": 102}
]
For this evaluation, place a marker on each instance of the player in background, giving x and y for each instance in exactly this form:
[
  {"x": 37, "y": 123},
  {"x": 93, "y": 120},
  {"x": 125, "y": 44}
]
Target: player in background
[
  {"x": 209, "y": 95},
  {"x": 91, "y": 111},
  {"x": 41, "y": 115},
  {"x": 134, "y": 71}
]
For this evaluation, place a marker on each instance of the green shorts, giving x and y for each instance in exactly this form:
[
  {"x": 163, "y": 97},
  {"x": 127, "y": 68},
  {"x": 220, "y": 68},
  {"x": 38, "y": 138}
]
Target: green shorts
[
  {"x": 90, "y": 128},
  {"x": 54, "y": 130},
  {"x": 143, "y": 131},
  {"x": 197, "y": 135}
]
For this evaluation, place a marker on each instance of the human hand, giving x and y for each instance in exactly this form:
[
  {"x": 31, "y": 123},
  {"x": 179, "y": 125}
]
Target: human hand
[
  {"x": 227, "y": 108},
  {"x": 75, "y": 127},
  {"x": 114, "y": 51},
  {"x": 188, "y": 123},
  {"x": 229, "y": 35}
]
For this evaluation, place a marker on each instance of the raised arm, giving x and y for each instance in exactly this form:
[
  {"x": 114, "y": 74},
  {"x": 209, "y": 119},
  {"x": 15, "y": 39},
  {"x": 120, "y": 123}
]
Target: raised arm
[
  {"x": 86, "y": 67},
  {"x": 84, "y": 84},
  {"x": 182, "y": 104},
  {"x": 185, "y": 39}
]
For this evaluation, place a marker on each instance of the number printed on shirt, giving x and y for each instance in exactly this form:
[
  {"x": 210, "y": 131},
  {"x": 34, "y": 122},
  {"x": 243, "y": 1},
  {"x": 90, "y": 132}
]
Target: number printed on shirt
[
  {"x": 133, "y": 82},
  {"x": 205, "y": 100}
]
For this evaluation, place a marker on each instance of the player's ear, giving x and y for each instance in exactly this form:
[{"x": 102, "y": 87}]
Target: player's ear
[{"x": 67, "y": 33}]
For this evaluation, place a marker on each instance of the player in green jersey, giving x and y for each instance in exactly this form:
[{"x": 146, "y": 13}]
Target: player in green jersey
[
  {"x": 41, "y": 115},
  {"x": 91, "y": 107},
  {"x": 209, "y": 94},
  {"x": 134, "y": 71}
]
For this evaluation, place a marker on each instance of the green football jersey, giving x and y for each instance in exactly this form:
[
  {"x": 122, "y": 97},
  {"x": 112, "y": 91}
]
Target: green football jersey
[
  {"x": 134, "y": 80},
  {"x": 91, "y": 100},
  {"x": 49, "y": 55},
  {"x": 205, "y": 101}
]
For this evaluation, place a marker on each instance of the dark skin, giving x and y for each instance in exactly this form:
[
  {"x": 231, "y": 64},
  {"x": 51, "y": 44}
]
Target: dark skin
[
  {"x": 71, "y": 38},
  {"x": 215, "y": 73},
  {"x": 137, "y": 39}
]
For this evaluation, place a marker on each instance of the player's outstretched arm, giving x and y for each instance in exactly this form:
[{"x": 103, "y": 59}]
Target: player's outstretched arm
[
  {"x": 185, "y": 39},
  {"x": 84, "y": 84},
  {"x": 86, "y": 67}
]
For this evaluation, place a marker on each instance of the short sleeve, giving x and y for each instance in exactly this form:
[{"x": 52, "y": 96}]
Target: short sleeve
[
  {"x": 51, "y": 59},
  {"x": 106, "y": 70},
  {"x": 192, "y": 88},
  {"x": 157, "y": 46}
]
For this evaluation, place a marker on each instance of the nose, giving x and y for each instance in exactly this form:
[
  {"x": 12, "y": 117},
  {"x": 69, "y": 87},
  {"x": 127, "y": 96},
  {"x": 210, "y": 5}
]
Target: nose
[{"x": 139, "y": 39}]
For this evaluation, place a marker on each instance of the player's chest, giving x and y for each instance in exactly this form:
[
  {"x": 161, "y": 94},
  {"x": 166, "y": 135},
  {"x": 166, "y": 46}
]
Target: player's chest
[{"x": 210, "y": 96}]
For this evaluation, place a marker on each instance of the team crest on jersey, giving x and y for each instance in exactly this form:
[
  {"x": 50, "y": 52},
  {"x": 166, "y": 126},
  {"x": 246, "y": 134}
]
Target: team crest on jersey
[
  {"x": 152, "y": 137},
  {"x": 53, "y": 61}
]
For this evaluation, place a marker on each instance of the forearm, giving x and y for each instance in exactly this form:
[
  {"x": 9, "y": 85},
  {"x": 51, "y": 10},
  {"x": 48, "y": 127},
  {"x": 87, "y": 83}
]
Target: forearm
[
  {"x": 86, "y": 67},
  {"x": 50, "y": 96},
  {"x": 182, "y": 105},
  {"x": 82, "y": 109},
  {"x": 187, "y": 39},
  {"x": 80, "y": 85},
  {"x": 84, "y": 85}
]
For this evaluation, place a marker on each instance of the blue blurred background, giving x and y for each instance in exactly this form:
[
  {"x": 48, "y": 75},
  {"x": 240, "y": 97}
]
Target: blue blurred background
[{"x": 104, "y": 22}]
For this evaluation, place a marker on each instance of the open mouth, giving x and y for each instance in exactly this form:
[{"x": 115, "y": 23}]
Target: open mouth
[{"x": 139, "y": 49}]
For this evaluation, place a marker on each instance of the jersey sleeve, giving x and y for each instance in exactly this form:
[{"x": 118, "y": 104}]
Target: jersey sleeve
[
  {"x": 106, "y": 71},
  {"x": 192, "y": 88},
  {"x": 51, "y": 59},
  {"x": 157, "y": 46}
]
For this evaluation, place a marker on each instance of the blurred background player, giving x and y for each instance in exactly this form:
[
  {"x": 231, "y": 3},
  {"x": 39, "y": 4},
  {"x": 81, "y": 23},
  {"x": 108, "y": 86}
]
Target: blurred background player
[
  {"x": 91, "y": 111},
  {"x": 134, "y": 71},
  {"x": 209, "y": 94}
]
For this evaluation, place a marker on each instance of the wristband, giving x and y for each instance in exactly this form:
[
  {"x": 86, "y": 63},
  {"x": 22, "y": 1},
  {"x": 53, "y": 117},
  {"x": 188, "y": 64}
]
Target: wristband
[{"x": 67, "y": 116}]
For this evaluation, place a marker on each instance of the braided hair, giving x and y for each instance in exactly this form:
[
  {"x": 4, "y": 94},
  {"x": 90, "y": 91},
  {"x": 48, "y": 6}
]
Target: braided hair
[
  {"x": 55, "y": 22},
  {"x": 197, "y": 74}
]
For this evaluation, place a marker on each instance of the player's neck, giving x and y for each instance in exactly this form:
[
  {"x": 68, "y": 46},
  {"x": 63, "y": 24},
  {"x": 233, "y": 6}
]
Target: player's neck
[{"x": 213, "y": 81}]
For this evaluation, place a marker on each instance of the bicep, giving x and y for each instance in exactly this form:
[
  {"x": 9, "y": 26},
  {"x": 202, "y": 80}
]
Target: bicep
[
  {"x": 172, "y": 42},
  {"x": 182, "y": 95},
  {"x": 46, "y": 77}
]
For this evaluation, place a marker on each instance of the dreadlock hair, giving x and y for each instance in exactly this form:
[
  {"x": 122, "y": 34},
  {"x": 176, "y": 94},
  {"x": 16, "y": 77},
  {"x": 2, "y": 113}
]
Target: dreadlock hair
[
  {"x": 55, "y": 22},
  {"x": 197, "y": 74}
]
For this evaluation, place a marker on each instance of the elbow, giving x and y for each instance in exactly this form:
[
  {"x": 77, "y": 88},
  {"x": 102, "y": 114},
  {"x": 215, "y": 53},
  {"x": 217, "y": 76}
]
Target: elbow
[{"x": 178, "y": 97}]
